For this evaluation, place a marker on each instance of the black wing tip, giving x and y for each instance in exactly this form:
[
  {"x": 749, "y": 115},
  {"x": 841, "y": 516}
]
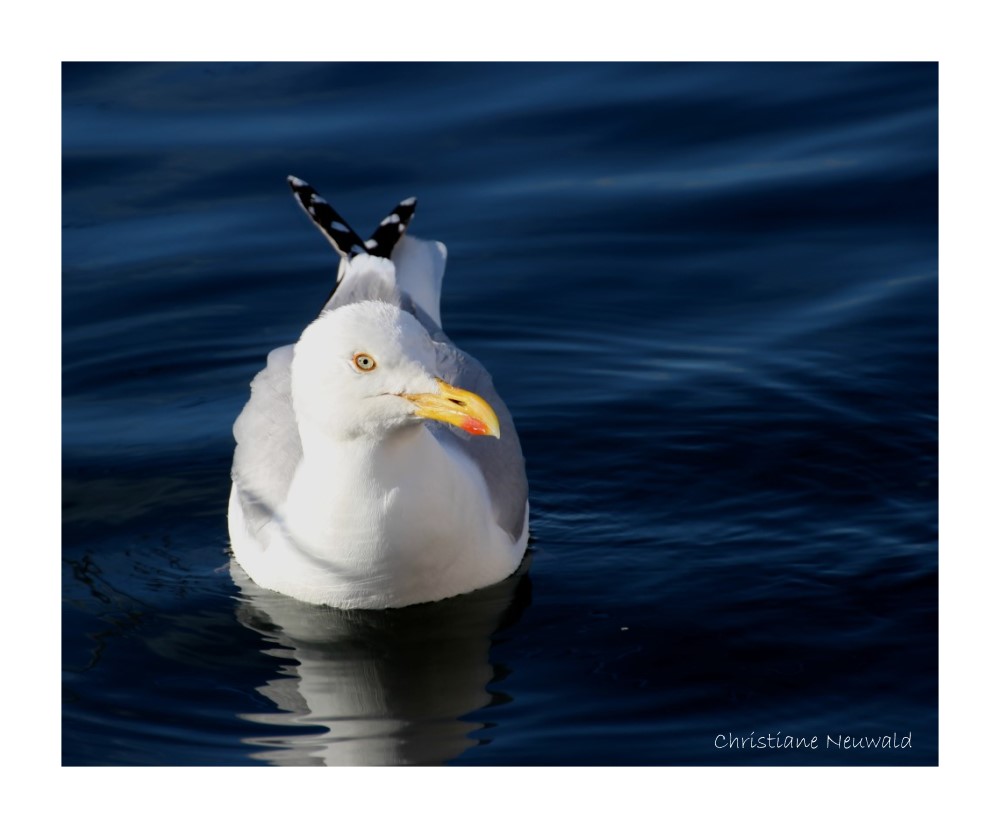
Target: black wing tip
[
  {"x": 391, "y": 229},
  {"x": 331, "y": 224},
  {"x": 346, "y": 242}
]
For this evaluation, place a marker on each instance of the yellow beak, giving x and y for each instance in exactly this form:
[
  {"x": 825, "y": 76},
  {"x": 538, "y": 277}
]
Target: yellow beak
[{"x": 461, "y": 408}]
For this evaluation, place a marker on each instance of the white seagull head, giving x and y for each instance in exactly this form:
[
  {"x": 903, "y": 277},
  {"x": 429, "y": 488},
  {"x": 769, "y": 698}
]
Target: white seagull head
[{"x": 369, "y": 368}]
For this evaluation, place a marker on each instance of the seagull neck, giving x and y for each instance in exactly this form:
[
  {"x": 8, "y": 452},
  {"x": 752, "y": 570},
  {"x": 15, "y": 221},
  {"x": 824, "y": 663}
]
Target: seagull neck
[{"x": 318, "y": 447}]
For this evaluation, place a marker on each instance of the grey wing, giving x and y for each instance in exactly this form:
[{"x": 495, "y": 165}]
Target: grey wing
[
  {"x": 268, "y": 448},
  {"x": 500, "y": 461}
]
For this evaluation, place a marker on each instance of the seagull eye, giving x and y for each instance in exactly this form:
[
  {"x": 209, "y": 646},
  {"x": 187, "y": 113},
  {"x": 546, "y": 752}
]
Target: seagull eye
[{"x": 363, "y": 362}]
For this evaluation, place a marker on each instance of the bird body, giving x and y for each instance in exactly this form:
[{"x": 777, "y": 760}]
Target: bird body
[{"x": 376, "y": 466}]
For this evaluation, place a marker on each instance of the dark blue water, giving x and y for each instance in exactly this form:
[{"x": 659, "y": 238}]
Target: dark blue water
[{"x": 708, "y": 294}]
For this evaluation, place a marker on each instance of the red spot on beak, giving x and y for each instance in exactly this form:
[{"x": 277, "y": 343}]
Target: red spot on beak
[{"x": 474, "y": 426}]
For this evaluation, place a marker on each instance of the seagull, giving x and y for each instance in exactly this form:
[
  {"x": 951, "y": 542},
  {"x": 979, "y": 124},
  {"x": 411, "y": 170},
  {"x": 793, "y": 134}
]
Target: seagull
[{"x": 375, "y": 465}]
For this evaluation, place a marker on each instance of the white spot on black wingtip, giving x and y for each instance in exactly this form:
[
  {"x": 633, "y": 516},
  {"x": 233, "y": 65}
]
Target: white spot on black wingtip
[
  {"x": 296, "y": 182},
  {"x": 392, "y": 218},
  {"x": 402, "y": 229},
  {"x": 312, "y": 211},
  {"x": 371, "y": 244},
  {"x": 340, "y": 228},
  {"x": 316, "y": 198},
  {"x": 408, "y": 202}
]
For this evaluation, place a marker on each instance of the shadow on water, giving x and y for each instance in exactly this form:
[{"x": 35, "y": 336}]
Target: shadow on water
[{"x": 392, "y": 687}]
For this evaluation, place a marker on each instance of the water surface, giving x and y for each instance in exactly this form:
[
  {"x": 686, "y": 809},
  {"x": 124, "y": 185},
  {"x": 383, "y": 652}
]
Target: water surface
[{"x": 708, "y": 294}]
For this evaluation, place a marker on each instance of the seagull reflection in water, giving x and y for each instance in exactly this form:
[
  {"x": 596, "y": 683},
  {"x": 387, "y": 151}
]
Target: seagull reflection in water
[{"x": 390, "y": 687}]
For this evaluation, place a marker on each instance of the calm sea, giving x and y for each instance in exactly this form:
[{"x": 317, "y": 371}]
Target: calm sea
[{"x": 708, "y": 294}]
